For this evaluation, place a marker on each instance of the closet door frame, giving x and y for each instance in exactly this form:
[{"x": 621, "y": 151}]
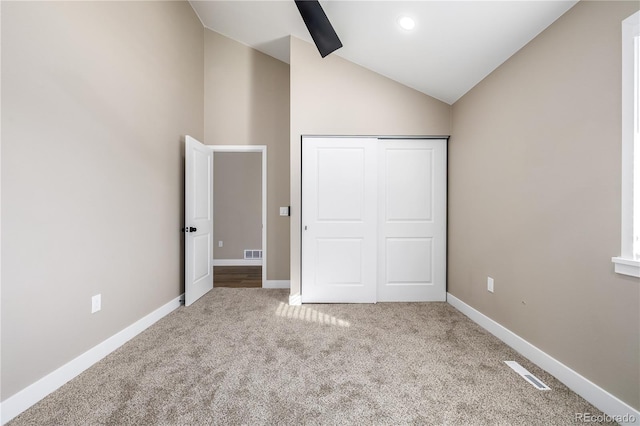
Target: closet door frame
[{"x": 409, "y": 236}]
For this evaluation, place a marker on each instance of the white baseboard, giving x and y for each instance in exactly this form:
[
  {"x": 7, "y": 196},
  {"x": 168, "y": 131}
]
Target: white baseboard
[
  {"x": 295, "y": 299},
  {"x": 600, "y": 398},
  {"x": 277, "y": 284},
  {"x": 237, "y": 262},
  {"x": 33, "y": 393}
]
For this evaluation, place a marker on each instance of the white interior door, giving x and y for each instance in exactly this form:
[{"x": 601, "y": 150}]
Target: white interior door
[
  {"x": 373, "y": 220},
  {"x": 412, "y": 220},
  {"x": 198, "y": 220},
  {"x": 339, "y": 216}
]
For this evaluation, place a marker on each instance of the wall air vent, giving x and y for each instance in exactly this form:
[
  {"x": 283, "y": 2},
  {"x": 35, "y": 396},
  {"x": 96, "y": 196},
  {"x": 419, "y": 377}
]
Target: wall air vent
[{"x": 253, "y": 254}]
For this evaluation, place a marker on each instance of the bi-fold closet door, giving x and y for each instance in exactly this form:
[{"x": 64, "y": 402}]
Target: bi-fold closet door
[{"x": 373, "y": 220}]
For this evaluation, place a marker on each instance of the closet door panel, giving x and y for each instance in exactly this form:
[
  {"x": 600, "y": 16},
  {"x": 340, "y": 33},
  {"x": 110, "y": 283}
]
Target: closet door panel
[
  {"x": 339, "y": 217},
  {"x": 412, "y": 224}
]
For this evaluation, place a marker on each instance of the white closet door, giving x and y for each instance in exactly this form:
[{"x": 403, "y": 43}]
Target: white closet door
[
  {"x": 339, "y": 220},
  {"x": 412, "y": 220}
]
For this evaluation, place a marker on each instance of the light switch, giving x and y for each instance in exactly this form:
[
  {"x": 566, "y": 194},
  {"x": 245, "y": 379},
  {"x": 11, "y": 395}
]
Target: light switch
[
  {"x": 96, "y": 303},
  {"x": 284, "y": 211}
]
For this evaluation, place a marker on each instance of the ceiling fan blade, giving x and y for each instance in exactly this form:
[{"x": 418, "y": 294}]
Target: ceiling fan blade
[{"x": 323, "y": 34}]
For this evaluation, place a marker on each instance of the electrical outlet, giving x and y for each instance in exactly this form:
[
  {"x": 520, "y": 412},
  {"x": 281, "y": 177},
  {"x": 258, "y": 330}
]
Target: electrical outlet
[
  {"x": 96, "y": 303},
  {"x": 219, "y": 243},
  {"x": 490, "y": 284}
]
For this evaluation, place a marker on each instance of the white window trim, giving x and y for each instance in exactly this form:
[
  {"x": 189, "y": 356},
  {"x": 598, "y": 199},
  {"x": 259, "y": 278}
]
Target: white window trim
[{"x": 625, "y": 263}]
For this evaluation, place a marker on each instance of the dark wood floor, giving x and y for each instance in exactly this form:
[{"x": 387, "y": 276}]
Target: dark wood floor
[{"x": 237, "y": 276}]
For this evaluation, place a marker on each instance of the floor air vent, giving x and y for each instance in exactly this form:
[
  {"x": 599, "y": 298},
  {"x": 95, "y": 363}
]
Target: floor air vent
[
  {"x": 527, "y": 376},
  {"x": 253, "y": 254}
]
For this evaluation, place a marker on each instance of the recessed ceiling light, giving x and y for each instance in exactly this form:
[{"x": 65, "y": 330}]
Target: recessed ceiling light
[{"x": 406, "y": 23}]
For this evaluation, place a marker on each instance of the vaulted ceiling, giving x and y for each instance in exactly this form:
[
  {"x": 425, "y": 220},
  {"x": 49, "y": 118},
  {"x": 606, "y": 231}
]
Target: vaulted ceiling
[{"x": 454, "y": 45}]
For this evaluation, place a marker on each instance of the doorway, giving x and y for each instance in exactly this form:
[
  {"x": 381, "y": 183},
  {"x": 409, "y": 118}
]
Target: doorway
[{"x": 239, "y": 204}]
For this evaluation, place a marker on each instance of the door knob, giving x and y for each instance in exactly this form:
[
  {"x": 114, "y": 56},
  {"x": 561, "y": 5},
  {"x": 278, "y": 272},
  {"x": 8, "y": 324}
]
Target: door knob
[{"x": 192, "y": 229}]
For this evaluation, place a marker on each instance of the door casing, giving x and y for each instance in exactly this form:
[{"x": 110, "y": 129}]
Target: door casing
[{"x": 263, "y": 150}]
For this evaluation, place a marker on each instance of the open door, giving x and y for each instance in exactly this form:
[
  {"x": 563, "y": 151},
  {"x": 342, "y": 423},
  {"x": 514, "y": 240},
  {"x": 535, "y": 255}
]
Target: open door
[{"x": 198, "y": 216}]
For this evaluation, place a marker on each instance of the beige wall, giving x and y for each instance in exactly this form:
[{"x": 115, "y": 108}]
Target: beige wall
[
  {"x": 534, "y": 199},
  {"x": 237, "y": 203},
  {"x": 333, "y": 96},
  {"x": 247, "y": 103},
  {"x": 96, "y": 99}
]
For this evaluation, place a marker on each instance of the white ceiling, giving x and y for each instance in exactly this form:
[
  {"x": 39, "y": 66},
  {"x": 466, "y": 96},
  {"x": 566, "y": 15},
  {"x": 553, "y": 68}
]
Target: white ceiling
[{"x": 454, "y": 45}]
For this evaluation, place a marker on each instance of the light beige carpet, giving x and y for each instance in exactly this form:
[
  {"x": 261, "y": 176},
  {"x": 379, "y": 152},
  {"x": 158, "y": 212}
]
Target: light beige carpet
[{"x": 244, "y": 356}]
